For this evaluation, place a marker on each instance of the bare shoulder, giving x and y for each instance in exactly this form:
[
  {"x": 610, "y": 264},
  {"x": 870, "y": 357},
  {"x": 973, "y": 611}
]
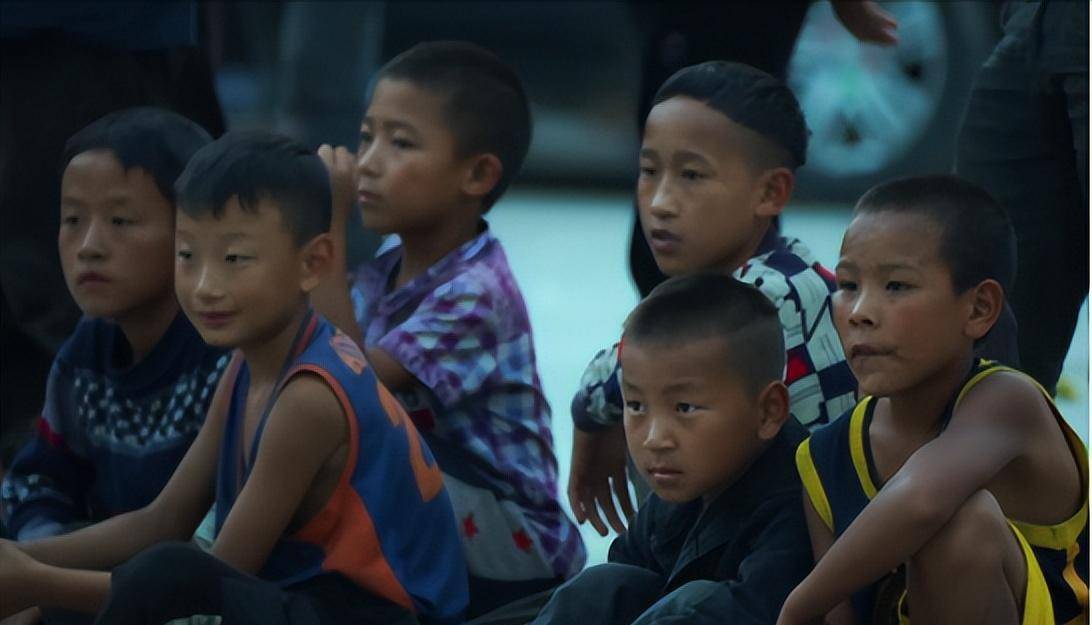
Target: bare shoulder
[
  {"x": 308, "y": 407},
  {"x": 1007, "y": 398}
]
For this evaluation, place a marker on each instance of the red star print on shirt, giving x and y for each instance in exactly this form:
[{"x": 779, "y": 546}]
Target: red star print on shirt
[
  {"x": 469, "y": 528},
  {"x": 523, "y": 541}
]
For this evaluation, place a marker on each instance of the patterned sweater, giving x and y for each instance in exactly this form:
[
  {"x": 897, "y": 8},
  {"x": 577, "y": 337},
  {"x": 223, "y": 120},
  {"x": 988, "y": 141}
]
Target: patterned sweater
[{"x": 109, "y": 436}]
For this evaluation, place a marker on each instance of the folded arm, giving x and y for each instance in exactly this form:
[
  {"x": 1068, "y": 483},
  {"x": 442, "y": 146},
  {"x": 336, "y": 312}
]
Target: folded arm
[{"x": 996, "y": 422}]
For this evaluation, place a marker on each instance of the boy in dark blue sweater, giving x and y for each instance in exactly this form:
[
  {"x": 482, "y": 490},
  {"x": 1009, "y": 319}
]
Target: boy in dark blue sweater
[{"x": 129, "y": 389}]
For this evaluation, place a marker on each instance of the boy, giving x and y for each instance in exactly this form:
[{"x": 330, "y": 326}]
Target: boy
[
  {"x": 721, "y": 145},
  {"x": 722, "y": 539},
  {"x": 957, "y": 468},
  {"x": 324, "y": 491},
  {"x": 440, "y": 315},
  {"x": 129, "y": 389}
]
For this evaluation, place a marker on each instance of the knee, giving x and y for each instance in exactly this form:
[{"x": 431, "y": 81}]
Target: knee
[
  {"x": 685, "y": 604},
  {"x": 974, "y": 538},
  {"x": 617, "y": 591},
  {"x": 164, "y": 565}
]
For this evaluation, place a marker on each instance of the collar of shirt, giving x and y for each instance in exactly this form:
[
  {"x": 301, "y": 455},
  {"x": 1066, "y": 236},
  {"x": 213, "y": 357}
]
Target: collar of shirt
[{"x": 377, "y": 274}]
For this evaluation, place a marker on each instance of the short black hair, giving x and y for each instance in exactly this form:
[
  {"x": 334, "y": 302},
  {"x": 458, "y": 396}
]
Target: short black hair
[
  {"x": 751, "y": 98},
  {"x": 710, "y": 305},
  {"x": 252, "y": 166},
  {"x": 977, "y": 241},
  {"x": 486, "y": 108},
  {"x": 156, "y": 140}
]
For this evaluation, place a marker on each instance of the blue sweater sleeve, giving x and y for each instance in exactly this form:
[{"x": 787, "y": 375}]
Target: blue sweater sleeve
[{"x": 47, "y": 484}]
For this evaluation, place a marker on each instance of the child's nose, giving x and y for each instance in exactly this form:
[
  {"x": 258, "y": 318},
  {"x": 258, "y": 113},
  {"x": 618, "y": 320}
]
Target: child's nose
[
  {"x": 658, "y": 436},
  {"x": 207, "y": 286},
  {"x": 92, "y": 244},
  {"x": 863, "y": 310},
  {"x": 367, "y": 160},
  {"x": 663, "y": 205}
]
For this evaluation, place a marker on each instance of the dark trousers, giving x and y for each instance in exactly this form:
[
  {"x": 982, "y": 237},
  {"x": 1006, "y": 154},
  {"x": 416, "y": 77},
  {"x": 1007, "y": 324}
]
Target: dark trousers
[
  {"x": 1025, "y": 140},
  {"x": 605, "y": 595},
  {"x": 488, "y": 595},
  {"x": 178, "y": 580}
]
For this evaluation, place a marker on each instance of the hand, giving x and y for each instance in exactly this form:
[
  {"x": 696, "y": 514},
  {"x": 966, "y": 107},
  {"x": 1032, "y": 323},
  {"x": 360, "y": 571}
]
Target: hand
[
  {"x": 341, "y": 163},
  {"x": 17, "y": 572},
  {"x": 598, "y": 466},
  {"x": 30, "y": 616},
  {"x": 866, "y": 21}
]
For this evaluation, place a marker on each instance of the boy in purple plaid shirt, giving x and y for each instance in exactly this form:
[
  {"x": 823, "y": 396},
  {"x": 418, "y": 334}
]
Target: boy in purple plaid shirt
[{"x": 439, "y": 313}]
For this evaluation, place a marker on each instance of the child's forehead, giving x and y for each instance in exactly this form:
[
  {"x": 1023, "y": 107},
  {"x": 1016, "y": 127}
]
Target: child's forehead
[
  {"x": 683, "y": 121},
  {"x": 891, "y": 238},
  {"x": 693, "y": 356},
  {"x": 256, "y": 216},
  {"x": 403, "y": 99},
  {"x": 100, "y": 172}
]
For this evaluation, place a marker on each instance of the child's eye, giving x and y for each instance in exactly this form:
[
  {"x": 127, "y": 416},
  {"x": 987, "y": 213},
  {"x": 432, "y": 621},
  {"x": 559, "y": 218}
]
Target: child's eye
[
  {"x": 70, "y": 220},
  {"x": 648, "y": 172},
  {"x": 847, "y": 285},
  {"x": 635, "y": 406},
  {"x": 184, "y": 254},
  {"x": 895, "y": 285},
  {"x": 121, "y": 221},
  {"x": 402, "y": 144},
  {"x": 236, "y": 258},
  {"x": 691, "y": 174},
  {"x": 685, "y": 408}
]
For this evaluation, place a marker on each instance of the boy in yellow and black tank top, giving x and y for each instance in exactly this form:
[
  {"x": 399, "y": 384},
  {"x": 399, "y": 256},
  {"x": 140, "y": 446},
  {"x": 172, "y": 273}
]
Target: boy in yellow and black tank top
[
  {"x": 839, "y": 477},
  {"x": 954, "y": 492}
]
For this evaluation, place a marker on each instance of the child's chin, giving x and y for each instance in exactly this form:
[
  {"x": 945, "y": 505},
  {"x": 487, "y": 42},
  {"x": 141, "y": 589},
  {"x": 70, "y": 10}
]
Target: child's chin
[
  {"x": 673, "y": 496},
  {"x": 215, "y": 340}
]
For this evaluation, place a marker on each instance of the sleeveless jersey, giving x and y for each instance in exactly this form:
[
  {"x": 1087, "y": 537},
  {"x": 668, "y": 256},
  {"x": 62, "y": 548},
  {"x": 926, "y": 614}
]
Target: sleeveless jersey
[
  {"x": 388, "y": 527},
  {"x": 835, "y": 465}
]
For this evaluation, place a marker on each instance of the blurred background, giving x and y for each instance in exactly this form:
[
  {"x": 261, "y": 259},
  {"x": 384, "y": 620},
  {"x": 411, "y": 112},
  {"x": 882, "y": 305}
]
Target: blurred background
[{"x": 874, "y": 112}]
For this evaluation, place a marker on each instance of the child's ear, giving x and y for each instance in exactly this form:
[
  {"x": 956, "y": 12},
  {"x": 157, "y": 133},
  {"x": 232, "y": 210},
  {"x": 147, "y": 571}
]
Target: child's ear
[
  {"x": 773, "y": 404},
  {"x": 316, "y": 258},
  {"x": 483, "y": 173},
  {"x": 776, "y": 187},
  {"x": 986, "y": 302}
]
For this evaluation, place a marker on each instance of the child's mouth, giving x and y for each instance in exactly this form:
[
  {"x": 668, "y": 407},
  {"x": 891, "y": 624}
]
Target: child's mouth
[{"x": 663, "y": 240}]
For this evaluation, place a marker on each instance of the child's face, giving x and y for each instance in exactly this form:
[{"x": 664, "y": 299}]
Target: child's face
[
  {"x": 409, "y": 173},
  {"x": 691, "y": 427},
  {"x": 116, "y": 238},
  {"x": 238, "y": 277},
  {"x": 697, "y": 193},
  {"x": 896, "y": 310}
]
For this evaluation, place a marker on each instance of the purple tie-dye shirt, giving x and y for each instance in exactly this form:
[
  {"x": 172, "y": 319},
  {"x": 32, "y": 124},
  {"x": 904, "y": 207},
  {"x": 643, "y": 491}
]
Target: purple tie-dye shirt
[{"x": 462, "y": 329}]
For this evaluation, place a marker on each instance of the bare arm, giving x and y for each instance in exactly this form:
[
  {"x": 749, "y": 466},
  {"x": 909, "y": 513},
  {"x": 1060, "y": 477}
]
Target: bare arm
[
  {"x": 821, "y": 539},
  {"x": 25, "y": 583},
  {"x": 331, "y": 297},
  {"x": 996, "y": 422},
  {"x": 389, "y": 371},
  {"x": 307, "y": 425}
]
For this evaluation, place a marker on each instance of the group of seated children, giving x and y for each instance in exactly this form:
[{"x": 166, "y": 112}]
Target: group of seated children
[{"x": 377, "y": 443}]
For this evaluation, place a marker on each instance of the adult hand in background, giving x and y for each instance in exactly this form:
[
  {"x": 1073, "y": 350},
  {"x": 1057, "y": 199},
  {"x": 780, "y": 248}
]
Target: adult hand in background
[{"x": 866, "y": 21}]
